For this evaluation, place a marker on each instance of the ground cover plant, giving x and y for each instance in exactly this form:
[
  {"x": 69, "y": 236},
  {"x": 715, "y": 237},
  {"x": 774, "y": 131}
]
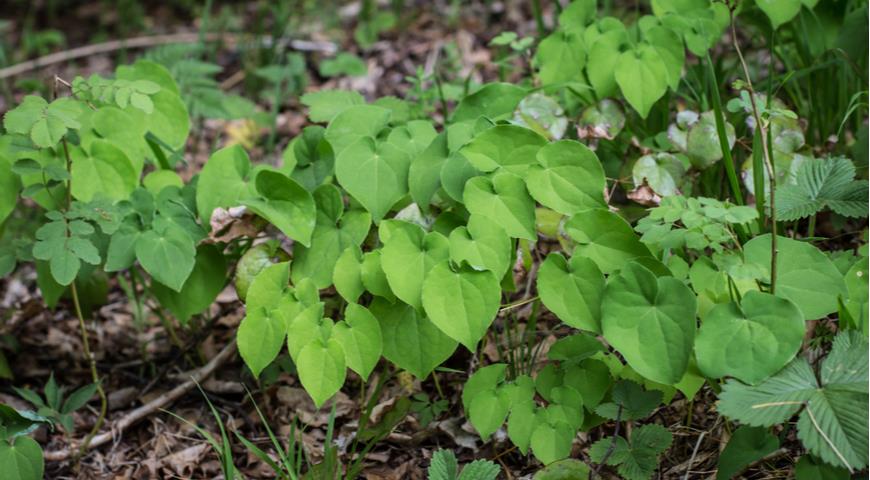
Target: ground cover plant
[{"x": 634, "y": 247}]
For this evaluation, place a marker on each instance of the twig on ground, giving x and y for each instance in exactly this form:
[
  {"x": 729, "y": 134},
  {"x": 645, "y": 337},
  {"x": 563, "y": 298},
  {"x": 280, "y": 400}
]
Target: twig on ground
[
  {"x": 153, "y": 406},
  {"x": 149, "y": 41}
]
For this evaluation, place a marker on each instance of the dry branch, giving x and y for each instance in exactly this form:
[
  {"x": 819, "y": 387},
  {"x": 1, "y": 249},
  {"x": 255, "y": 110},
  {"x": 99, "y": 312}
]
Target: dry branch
[{"x": 146, "y": 410}]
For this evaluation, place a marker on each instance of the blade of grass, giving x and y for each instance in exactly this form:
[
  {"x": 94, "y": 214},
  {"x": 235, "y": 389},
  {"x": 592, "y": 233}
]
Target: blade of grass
[{"x": 727, "y": 159}]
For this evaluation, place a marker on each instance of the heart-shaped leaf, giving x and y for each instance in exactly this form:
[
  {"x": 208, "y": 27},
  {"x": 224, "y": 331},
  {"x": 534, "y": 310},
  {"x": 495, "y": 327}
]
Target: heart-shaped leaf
[
  {"x": 568, "y": 178},
  {"x": 360, "y": 337},
  {"x": 572, "y": 289},
  {"x": 376, "y": 174},
  {"x": 482, "y": 244},
  {"x": 411, "y": 341},
  {"x": 650, "y": 321},
  {"x": 750, "y": 341},
  {"x": 504, "y": 200},
  {"x": 322, "y": 369},
  {"x": 462, "y": 303},
  {"x": 407, "y": 257},
  {"x": 606, "y": 238}
]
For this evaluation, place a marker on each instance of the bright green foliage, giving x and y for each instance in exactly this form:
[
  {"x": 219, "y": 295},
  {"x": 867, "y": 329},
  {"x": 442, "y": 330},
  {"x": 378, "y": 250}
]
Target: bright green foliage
[
  {"x": 322, "y": 369},
  {"x": 375, "y": 174},
  {"x": 568, "y": 469},
  {"x": 833, "y": 409},
  {"x": 201, "y": 287},
  {"x": 262, "y": 331},
  {"x": 21, "y": 459},
  {"x": 637, "y": 459},
  {"x": 354, "y": 124},
  {"x": 805, "y": 275},
  {"x": 167, "y": 254},
  {"x": 820, "y": 184},
  {"x": 136, "y": 93},
  {"x": 747, "y": 445},
  {"x": 696, "y": 135},
  {"x": 503, "y": 199},
  {"x": 642, "y": 77},
  {"x": 650, "y": 321},
  {"x": 857, "y": 286},
  {"x": 45, "y": 123},
  {"x": 568, "y": 178},
  {"x": 572, "y": 289},
  {"x": 360, "y": 337},
  {"x": 461, "y": 302},
  {"x": 445, "y": 467},
  {"x": 285, "y": 204},
  {"x": 509, "y": 147},
  {"x": 326, "y": 104},
  {"x": 251, "y": 264},
  {"x": 780, "y": 11},
  {"x": 408, "y": 256},
  {"x": 223, "y": 181},
  {"x": 749, "y": 341},
  {"x": 482, "y": 244},
  {"x": 495, "y": 100},
  {"x": 411, "y": 340},
  {"x": 542, "y": 114},
  {"x": 343, "y": 64},
  {"x": 104, "y": 171},
  {"x": 561, "y": 57},
  {"x": 65, "y": 242},
  {"x": 605, "y": 238},
  {"x": 695, "y": 223}
]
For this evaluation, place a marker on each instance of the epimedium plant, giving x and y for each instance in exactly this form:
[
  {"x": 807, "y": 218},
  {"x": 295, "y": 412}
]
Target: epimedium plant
[{"x": 391, "y": 237}]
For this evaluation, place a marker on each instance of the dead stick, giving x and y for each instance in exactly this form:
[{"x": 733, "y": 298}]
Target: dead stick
[
  {"x": 145, "y": 42},
  {"x": 146, "y": 410}
]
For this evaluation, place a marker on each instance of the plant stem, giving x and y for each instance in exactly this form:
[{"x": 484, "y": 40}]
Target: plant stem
[
  {"x": 610, "y": 447},
  {"x": 811, "y": 231},
  {"x": 539, "y": 18},
  {"x": 727, "y": 159},
  {"x": 95, "y": 377},
  {"x": 768, "y": 161}
]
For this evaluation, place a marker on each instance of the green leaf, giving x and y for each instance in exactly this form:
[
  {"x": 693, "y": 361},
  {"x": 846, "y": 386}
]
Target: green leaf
[
  {"x": 373, "y": 277},
  {"x": 551, "y": 442},
  {"x": 834, "y": 409},
  {"x": 424, "y": 175},
  {"x": 747, "y": 445},
  {"x": 45, "y": 123},
  {"x": 560, "y": 57},
  {"x": 168, "y": 255},
  {"x": 408, "y": 256},
  {"x": 104, "y": 172},
  {"x": 503, "y": 199},
  {"x": 354, "y": 123},
  {"x": 480, "y": 470},
  {"x": 411, "y": 341},
  {"x": 494, "y": 100},
  {"x": 808, "y": 468},
  {"x": 360, "y": 337},
  {"x": 375, "y": 174},
  {"x": 322, "y": 369},
  {"x": 606, "y": 238},
  {"x": 636, "y": 402},
  {"x": 462, "y": 303},
  {"x": 750, "y": 341},
  {"x": 285, "y": 204},
  {"x": 488, "y": 411},
  {"x": 326, "y": 104},
  {"x": 347, "y": 275},
  {"x": 343, "y": 64},
  {"x": 642, "y": 77},
  {"x": 572, "y": 289},
  {"x": 510, "y": 147},
  {"x": 779, "y": 11},
  {"x": 639, "y": 459},
  {"x": 568, "y": 178},
  {"x": 856, "y": 284},
  {"x": 206, "y": 281},
  {"x": 484, "y": 379},
  {"x": 482, "y": 244},
  {"x": 334, "y": 231},
  {"x": 455, "y": 173},
  {"x": 663, "y": 172},
  {"x": 413, "y": 137},
  {"x": 521, "y": 424},
  {"x": 805, "y": 275},
  {"x": 157, "y": 180},
  {"x": 10, "y": 185},
  {"x": 21, "y": 459},
  {"x": 820, "y": 184},
  {"x": 223, "y": 181},
  {"x": 603, "y": 59},
  {"x": 443, "y": 466},
  {"x": 568, "y": 469},
  {"x": 650, "y": 321}
]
